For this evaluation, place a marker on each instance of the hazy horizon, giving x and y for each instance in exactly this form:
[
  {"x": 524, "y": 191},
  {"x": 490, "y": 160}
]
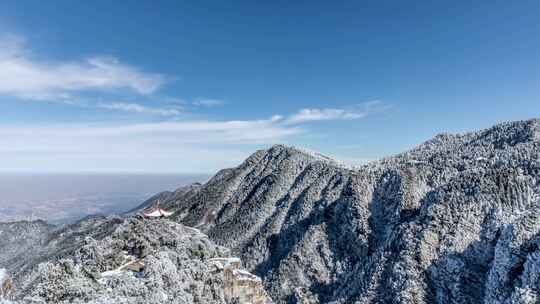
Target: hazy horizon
[{"x": 65, "y": 197}]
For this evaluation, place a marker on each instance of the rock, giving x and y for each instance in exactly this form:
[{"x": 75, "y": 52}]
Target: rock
[
  {"x": 240, "y": 285},
  {"x": 6, "y": 285}
]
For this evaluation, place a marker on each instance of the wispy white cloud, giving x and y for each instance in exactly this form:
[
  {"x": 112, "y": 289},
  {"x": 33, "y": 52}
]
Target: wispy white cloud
[
  {"x": 208, "y": 102},
  {"x": 179, "y": 146},
  {"x": 194, "y": 146},
  {"x": 307, "y": 115},
  {"x": 199, "y": 145},
  {"x": 23, "y": 76},
  {"x": 194, "y": 132},
  {"x": 317, "y": 114},
  {"x": 138, "y": 108}
]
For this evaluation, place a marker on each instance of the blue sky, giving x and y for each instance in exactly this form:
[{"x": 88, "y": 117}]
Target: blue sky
[{"x": 163, "y": 86}]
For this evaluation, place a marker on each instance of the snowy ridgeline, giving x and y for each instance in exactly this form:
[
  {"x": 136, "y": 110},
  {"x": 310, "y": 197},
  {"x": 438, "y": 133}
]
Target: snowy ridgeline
[{"x": 325, "y": 158}]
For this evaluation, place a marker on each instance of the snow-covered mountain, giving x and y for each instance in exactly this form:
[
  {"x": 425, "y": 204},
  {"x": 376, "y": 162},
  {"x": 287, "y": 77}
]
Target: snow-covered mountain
[{"x": 455, "y": 220}]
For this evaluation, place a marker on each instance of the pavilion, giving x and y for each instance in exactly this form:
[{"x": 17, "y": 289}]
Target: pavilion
[{"x": 156, "y": 211}]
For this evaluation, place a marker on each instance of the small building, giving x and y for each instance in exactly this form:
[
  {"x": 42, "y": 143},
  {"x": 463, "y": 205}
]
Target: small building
[
  {"x": 135, "y": 266},
  {"x": 156, "y": 211}
]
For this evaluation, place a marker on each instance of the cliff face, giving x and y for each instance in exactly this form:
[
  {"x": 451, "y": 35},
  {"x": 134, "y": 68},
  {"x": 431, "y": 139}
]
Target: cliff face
[{"x": 455, "y": 220}]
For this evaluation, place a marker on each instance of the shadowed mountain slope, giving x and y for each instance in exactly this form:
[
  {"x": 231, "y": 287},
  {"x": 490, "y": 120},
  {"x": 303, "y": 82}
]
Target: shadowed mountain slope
[{"x": 455, "y": 220}]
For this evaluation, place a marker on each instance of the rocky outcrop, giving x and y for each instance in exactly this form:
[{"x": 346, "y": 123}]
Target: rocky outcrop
[
  {"x": 240, "y": 284},
  {"x": 454, "y": 220},
  {"x": 6, "y": 285}
]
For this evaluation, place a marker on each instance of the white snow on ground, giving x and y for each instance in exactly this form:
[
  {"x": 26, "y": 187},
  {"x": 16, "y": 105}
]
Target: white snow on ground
[
  {"x": 108, "y": 274},
  {"x": 111, "y": 273},
  {"x": 325, "y": 158},
  {"x": 416, "y": 162},
  {"x": 194, "y": 230},
  {"x": 3, "y": 275},
  {"x": 223, "y": 263},
  {"x": 116, "y": 272},
  {"x": 244, "y": 275}
]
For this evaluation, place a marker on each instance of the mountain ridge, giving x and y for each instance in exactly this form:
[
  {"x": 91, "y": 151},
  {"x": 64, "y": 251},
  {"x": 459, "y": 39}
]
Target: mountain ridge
[
  {"x": 282, "y": 206},
  {"x": 453, "y": 220}
]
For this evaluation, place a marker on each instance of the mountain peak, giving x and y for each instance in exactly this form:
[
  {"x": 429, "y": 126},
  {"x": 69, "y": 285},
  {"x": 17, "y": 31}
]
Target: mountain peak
[
  {"x": 300, "y": 221},
  {"x": 306, "y": 154}
]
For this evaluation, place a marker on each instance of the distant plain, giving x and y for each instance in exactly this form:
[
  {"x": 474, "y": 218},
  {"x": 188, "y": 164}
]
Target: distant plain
[{"x": 63, "y": 198}]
